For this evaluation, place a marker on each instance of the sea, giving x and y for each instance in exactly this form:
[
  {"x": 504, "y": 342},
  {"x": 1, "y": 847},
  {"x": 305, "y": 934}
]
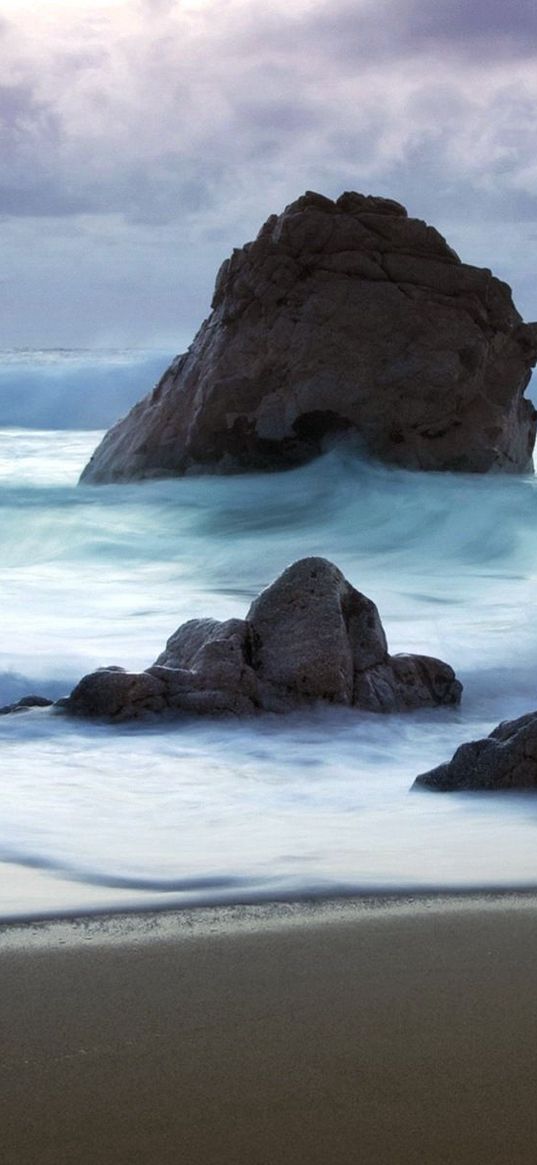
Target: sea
[{"x": 195, "y": 811}]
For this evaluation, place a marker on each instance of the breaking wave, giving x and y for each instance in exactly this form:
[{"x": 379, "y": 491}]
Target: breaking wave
[{"x": 56, "y": 389}]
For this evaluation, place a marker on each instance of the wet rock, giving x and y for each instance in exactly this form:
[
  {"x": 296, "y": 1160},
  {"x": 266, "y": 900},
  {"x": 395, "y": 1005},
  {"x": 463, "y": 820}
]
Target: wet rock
[
  {"x": 116, "y": 694},
  {"x": 343, "y": 317},
  {"x": 507, "y": 759},
  {"x": 309, "y": 637},
  {"x": 311, "y": 631},
  {"x": 186, "y": 647},
  {"x": 206, "y": 667},
  {"x": 315, "y": 637},
  {"x": 25, "y": 704},
  {"x": 406, "y": 682}
]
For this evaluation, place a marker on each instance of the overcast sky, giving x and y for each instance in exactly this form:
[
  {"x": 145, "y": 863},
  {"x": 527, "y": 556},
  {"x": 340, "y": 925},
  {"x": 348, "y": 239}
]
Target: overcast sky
[{"x": 142, "y": 139}]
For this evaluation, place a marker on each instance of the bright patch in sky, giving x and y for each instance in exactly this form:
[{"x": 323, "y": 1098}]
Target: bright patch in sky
[{"x": 35, "y": 6}]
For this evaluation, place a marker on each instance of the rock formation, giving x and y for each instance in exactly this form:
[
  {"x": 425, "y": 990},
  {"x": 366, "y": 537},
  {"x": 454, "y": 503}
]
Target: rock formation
[
  {"x": 507, "y": 759},
  {"x": 341, "y": 317},
  {"x": 309, "y": 637}
]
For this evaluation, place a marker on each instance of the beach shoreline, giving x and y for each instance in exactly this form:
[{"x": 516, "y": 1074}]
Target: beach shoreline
[
  {"x": 135, "y": 922},
  {"x": 384, "y": 1030}
]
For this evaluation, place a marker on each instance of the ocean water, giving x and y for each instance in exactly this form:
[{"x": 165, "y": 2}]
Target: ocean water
[
  {"x": 58, "y": 388},
  {"x": 308, "y": 804}
]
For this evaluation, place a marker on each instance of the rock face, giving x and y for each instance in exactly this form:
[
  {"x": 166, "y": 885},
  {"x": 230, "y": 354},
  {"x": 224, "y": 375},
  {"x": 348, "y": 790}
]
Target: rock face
[
  {"x": 507, "y": 759},
  {"x": 309, "y": 637},
  {"x": 341, "y": 317}
]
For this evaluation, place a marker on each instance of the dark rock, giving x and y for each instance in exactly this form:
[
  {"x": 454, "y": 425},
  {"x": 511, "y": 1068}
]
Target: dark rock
[
  {"x": 116, "y": 694},
  {"x": 311, "y": 629},
  {"x": 317, "y": 638},
  {"x": 507, "y": 759},
  {"x": 310, "y": 636},
  {"x": 341, "y": 317},
  {"x": 185, "y": 645},
  {"x": 206, "y": 666},
  {"x": 406, "y": 682},
  {"x": 25, "y": 704}
]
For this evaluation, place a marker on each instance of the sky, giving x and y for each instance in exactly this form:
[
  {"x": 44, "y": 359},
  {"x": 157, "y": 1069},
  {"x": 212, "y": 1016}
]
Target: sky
[{"x": 141, "y": 140}]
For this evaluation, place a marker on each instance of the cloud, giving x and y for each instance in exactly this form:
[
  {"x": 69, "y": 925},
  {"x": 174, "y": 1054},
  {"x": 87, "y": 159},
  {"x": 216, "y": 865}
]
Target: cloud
[
  {"x": 144, "y": 110},
  {"x": 506, "y": 29},
  {"x": 192, "y": 121}
]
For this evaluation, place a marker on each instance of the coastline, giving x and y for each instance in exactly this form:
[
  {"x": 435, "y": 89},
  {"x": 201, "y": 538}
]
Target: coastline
[{"x": 385, "y": 1030}]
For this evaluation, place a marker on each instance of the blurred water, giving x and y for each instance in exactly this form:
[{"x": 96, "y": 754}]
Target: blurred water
[
  {"x": 57, "y": 388},
  {"x": 305, "y": 803}
]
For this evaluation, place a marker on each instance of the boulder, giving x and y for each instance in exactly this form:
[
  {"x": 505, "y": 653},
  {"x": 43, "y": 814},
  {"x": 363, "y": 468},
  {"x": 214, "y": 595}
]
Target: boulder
[
  {"x": 311, "y": 632},
  {"x": 507, "y": 759},
  {"x": 206, "y": 668},
  {"x": 116, "y": 694},
  {"x": 343, "y": 317},
  {"x": 188, "y": 646},
  {"x": 406, "y": 682},
  {"x": 308, "y": 637}
]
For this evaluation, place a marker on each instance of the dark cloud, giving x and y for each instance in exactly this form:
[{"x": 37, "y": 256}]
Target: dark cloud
[
  {"x": 24, "y": 118},
  {"x": 42, "y": 199},
  {"x": 372, "y": 32},
  {"x": 397, "y": 27},
  {"x": 509, "y": 24}
]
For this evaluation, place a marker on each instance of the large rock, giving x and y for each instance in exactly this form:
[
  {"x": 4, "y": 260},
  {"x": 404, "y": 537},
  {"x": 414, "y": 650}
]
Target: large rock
[
  {"x": 341, "y": 317},
  {"x": 507, "y": 759},
  {"x": 313, "y": 633},
  {"x": 309, "y": 637}
]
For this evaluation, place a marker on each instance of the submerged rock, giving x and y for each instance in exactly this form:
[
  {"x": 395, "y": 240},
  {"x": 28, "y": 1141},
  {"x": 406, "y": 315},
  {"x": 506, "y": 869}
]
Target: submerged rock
[
  {"x": 25, "y": 704},
  {"x": 507, "y": 759},
  {"x": 341, "y": 317},
  {"x": 308, "y": 637}
]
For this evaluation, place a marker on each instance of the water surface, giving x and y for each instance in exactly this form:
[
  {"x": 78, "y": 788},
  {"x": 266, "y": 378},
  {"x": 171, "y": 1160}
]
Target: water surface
[{"x": 316, "y": 802}]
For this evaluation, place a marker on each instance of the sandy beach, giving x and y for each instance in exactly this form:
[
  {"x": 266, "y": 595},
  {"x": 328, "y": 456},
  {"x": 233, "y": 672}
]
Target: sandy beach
[{"x": 385, "y": 1032}]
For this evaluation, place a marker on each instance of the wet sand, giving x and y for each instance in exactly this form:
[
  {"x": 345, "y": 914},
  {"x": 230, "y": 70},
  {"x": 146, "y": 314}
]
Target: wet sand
[{"x": 378, "y": 1032}]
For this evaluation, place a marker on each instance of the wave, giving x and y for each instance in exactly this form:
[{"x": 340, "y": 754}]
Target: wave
[
  {"x": 106, "y": 574},
  {"x": 74, "y": 389},
  {"x": 14, "y": 685}
]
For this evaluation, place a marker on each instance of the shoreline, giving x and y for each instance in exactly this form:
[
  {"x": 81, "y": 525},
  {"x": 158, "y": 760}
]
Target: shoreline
[
  {"x": 387, "y": 1030},
  {"x": 31, "y": 896}
]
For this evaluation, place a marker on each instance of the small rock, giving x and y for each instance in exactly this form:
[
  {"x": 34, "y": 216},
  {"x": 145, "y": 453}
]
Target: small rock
[
  {"x": 25, "y": 704},
  {"x": 507, "y": 759}
]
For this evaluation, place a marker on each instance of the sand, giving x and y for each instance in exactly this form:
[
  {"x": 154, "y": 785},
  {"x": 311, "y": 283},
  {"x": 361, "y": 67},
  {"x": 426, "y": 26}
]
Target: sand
[{"x": 377, "y": 1032}]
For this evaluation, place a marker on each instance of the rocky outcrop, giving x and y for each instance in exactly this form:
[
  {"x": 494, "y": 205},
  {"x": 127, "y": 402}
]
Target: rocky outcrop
[
  {"x": 309, "y": 637},
  {"x": 342, "y": 317},
  {"x": 507, "y": 759}
]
